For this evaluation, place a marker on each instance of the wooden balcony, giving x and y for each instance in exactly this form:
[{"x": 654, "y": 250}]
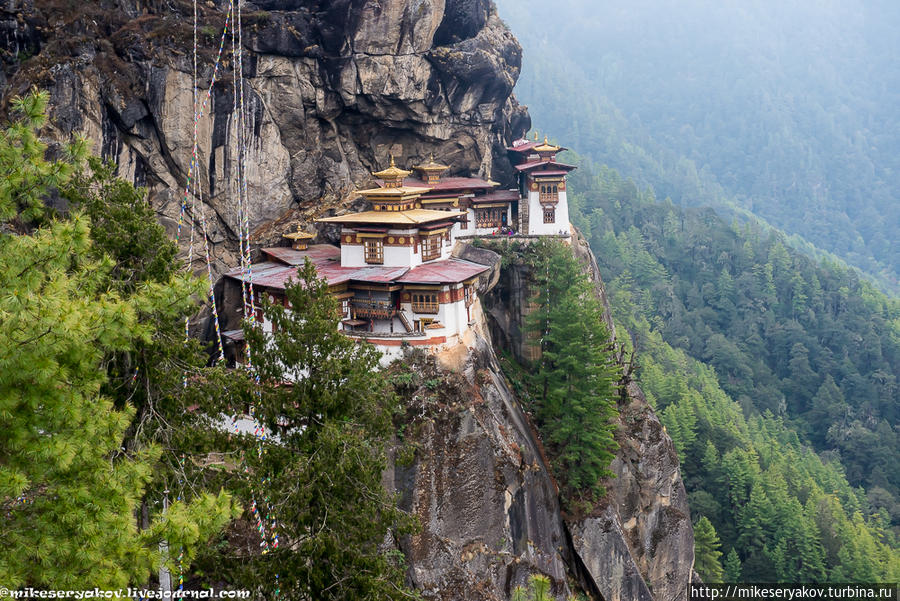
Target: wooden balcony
[
  {"x": 426, "y": 307},
  {"x": 373, "y": 309}
]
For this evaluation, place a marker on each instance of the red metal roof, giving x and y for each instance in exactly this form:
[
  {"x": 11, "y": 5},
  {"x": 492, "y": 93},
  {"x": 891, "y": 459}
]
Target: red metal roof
[
  {"x": 315, "y": 252},
  {"x": 525, "y": 146},
  {"x": 276, "y": 275},
  {"x": 522, "y": 145},
  {"x": 448, "y": 271},
  {"x": 267, "y": 275},
  {"x": 530, "y": 166},
  {"x": 326, "y": 259}
]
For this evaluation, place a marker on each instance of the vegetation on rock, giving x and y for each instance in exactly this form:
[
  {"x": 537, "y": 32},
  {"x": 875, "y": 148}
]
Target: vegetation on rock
[{"x": 572, "y": 388}]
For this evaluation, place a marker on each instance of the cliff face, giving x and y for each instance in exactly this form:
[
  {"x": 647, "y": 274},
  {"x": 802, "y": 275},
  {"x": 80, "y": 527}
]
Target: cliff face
[
  {"x": 331, "y": 88},
  {"x": 488, "y": 509},
  {"x": 638, "y": 543}
]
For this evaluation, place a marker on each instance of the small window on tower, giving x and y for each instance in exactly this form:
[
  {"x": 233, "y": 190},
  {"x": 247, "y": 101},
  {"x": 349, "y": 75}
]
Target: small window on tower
[
  {"x": 431, "y": 247},
  {"x": 549, "y": 193},
  {"x": 549, "y": 214},
  {"x": 374, "y": 251}
]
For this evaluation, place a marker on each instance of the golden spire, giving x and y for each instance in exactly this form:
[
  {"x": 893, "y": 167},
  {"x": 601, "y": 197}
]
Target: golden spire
[
  {"x": 299, "y": 239},
  {"x": 535, "y": 136},
  {"x": 546, "y": 146},
  {"x": 393, "y": 175},
  {"x": 431, "y": 171}
]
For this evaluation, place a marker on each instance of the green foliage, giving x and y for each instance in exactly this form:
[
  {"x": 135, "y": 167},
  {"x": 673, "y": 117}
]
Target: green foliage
[
  {"x": 538, "y": 590},
  {"x": 732, "y": 569},
  {"x": 773, "y": 383},
  {"x": 123, "y": 225},
  {"x": 327, "y": 410},
  {"x": 69, "y": 487},
  {"x": 706, "y": 551},
  {"x": 574, "y": 385},
  {"x": 729, "y": 297},
  {"x": 27, "y": 177}
]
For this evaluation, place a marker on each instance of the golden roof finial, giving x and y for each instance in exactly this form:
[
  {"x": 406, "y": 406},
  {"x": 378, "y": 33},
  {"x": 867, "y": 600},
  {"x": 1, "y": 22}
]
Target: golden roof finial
[
  {"x": 431, "y": 166},
  {"x": 547, "y": 147},
  {"x": 535, "y": 136},
  {"x": 392, "y": 174}
]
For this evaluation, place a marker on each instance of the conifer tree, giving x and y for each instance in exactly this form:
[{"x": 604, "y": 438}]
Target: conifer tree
[
  {"x": 68, "y": 488},
  {"x": 706, "y": 551},
  {"x": 732, "y": 568},
  {"x": 576, "y": 380},
  {"x": 327, "y": 411}
]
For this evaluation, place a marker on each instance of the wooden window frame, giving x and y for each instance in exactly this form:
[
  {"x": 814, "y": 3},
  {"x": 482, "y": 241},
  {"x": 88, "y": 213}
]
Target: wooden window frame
[
  {"x": 373, "y": 250},
  {"x": 551, "y": 213},
  {"x": 489, "y": 217},
  {"x": 425, "y": 302},
  {"x": 431, "y": 247},
  {"x": 549, "y": 193}
]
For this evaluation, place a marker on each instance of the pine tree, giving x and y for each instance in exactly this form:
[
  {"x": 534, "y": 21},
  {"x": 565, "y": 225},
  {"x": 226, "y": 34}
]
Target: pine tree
[
  {"x": 327, "y": 410},
  {"x": 68, "y": 488},
  {"x": 827, "y": 407},
  {"x": 576, "y": 380},
  {"x": 732, "y": 568},
  {"x": 706, "y": 551}
]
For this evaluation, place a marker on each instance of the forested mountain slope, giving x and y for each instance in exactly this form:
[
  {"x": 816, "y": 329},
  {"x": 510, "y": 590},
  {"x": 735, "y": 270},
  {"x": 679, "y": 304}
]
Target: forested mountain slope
[
  {"x": 786, "y": 109},
  {"x": 775, "y": 376}
]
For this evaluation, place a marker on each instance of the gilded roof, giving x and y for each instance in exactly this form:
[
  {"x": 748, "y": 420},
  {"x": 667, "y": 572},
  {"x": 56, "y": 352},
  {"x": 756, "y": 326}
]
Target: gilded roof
[
  {"x": 431, "y": 165},
  {"x": 392, "y": 172},
  {"x": 298, "y": 235},
  {"x": 410, "y": 217},
  {"x": 546, "y": 147},
  {"x": 398, "y": 192}
]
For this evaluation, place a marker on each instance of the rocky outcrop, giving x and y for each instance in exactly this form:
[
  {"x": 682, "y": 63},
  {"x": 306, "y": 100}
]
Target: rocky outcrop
[
  {"x": 330, "y": 89},
  {"x": 485, "y": 500},
  {"x": 637, "y": 544}
]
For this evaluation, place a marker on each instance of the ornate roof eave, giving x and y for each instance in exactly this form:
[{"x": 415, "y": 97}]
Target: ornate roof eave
[{"x": 546, "y": 147}]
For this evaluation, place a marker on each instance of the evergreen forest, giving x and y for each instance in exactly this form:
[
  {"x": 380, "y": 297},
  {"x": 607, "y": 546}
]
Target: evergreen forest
[
  {"x": 775, "y": 376},
  {"x": 118, "y": 459}
]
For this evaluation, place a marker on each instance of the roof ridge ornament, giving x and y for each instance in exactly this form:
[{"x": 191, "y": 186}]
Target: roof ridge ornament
[{"x": 393, "y": 175}]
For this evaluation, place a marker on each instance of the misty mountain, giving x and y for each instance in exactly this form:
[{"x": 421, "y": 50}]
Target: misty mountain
[{"x": 786, "y": 109}]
